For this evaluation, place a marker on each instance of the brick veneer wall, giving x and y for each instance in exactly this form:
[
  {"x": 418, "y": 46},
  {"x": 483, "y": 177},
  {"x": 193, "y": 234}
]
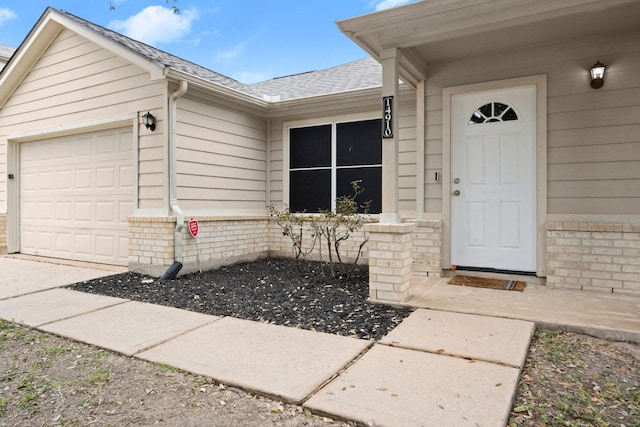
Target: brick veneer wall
[
  {"x": 281, "y": 246},
  {"x": 3, "y": 234},
  {"x": 594, "y": 256},
  {"x": 151, "y": 244},
  {"x": 227, "y": 240},
  {"x": 221, "y": 241},
  {"x": 224, "y": 240},
  {"x": 427, "y": 248}
]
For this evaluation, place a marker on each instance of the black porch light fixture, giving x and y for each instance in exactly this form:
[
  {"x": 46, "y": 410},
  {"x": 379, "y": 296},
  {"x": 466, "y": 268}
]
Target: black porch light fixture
[
  {"x": 597, "y": 75},
  {"x": 149, "y": 121}
]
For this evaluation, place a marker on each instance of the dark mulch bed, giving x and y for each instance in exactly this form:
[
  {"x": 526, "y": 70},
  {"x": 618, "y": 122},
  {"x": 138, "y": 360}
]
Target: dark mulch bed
[{"x": 270, "y": 290}]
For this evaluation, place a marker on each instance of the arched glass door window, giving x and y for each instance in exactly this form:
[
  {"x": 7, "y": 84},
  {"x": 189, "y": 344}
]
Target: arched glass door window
[{"x": 493, "y": 112}]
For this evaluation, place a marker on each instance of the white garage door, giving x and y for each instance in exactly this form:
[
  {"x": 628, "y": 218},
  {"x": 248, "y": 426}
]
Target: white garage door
[{"x": 76, "y": 194}]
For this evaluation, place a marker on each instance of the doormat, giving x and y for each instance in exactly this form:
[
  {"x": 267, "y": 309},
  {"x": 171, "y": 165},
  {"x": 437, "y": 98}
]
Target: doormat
[{"x": 483, "y": 282}]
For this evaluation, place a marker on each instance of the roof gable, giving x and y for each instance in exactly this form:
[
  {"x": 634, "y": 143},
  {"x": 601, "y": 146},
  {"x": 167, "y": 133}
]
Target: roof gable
[
  {"x": 362, "y": 74},
  {"x": 163, "y": 59}
]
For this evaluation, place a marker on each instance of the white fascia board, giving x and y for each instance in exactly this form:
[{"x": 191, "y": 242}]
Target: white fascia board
[
  {"x": 217, "y": 89},
  {"x": 26, "y": 55},
  {"x": 327, "y": 99},
  {"x": 155, "y": 69}
]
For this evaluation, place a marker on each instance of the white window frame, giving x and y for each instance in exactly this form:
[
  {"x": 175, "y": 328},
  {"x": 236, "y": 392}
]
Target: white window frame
[{"x": 333, "y": 121}]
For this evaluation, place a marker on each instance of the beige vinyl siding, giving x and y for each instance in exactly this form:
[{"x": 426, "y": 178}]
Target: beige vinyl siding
[
  {"x": 76, "y": 81},
  {"x": 433, "y": 155},
  {"x": 593, "y": 135},
  {"x": 407, "y": 155},
  {"x": 221, "y": 158},
  {"x": 277, "y": 162}
]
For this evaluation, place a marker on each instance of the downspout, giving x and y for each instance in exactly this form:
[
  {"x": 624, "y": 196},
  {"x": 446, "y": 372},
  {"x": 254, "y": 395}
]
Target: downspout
[{"x": 173, "y": 163}]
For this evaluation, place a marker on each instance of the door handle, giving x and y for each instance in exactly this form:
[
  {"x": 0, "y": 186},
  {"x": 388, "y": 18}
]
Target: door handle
[{"x": 456, "y": 193}]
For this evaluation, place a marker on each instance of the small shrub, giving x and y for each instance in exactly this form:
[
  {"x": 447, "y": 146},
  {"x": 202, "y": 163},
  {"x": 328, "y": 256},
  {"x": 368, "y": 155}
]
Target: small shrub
[{"x": 328, "y": 231}]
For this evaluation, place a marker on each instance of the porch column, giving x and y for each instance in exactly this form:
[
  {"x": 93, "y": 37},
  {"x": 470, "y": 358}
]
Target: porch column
[
  {"x": 390, "y": 260},
  {"x": 391, "y": 100}
]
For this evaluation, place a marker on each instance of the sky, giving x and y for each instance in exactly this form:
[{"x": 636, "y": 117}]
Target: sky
[{"x": 248, "y": 40}]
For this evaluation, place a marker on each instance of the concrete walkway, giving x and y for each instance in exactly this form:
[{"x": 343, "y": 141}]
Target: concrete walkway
[
  {"x": 436, "y": 368},
  {"x": 608, "y": 316}
]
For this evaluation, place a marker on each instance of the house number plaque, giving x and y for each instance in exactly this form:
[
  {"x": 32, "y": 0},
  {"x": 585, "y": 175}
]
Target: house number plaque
[{"x": 387, "y": 117}]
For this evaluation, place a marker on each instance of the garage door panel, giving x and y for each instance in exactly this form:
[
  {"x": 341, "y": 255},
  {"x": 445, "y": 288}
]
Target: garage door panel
[
  {"x": 83, "y": 244},
  {"x": 45, "y": 210},
  {"x": 45, "y": 181},
  {"x": 43, "y": 239},
  {"x": 83, "y": 179},
  {"x": 105, "y": 245},
  {"x": 29, "y": 239},
  {"x": 106, "y": 179},
  {"x": 82, "y": 213},
  {"x": 125, "y": 181},
  {"x": 64, "y": 179},
  {"x": 63, "y": 211},
  {"x": 63, "y": 151},
  {"x": 76, "y": 196},
  {"x": 124, "y": 212},
  {"x": 63, "y": 242},
  {"x": 29, "y": 211},
  {"x": 105, "y": 212},
  {"x": 29, "y": 181}
]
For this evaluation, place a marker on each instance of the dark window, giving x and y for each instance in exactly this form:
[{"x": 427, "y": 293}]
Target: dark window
[
  {"x": 358, "y": 157},
  {"x": 493, "y": 112},
  {"x": 359, "y": 143},
  {"x": 310, "y": 190},
  {"x": 310, "y": 147},
  {"x": 371, "y": 181}
]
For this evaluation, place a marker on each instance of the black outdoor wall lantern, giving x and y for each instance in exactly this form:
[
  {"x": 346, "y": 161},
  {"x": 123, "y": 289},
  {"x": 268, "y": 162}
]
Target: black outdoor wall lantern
[
  {"x": 149, "y": 121},
  {"x": 597, "y": 75}
]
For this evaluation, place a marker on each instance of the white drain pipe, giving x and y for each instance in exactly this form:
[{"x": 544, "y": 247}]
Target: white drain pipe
[{"x": 173, "y": 164}]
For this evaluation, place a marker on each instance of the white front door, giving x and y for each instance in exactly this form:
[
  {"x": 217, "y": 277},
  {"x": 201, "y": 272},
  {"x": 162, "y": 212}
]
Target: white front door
[{"x": 493, "y": 180}]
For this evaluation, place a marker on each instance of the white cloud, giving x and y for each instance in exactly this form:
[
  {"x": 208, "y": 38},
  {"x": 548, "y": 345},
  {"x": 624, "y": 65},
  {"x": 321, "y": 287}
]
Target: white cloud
[
  {"x": 228, "y": 55},
  {"x": 157, "y": 25},
  {"x": 388, "y": 4},
  {"x": 6, "y": 15}
]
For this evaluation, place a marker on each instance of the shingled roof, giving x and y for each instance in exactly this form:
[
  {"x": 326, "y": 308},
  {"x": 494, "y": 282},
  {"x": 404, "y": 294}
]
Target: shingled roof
[
  {"x": 355, "y": 75},
  {"x": 362, "y": 74},
  {"x": 164, "y": 58},
  {"x": 6, "y": 51}
]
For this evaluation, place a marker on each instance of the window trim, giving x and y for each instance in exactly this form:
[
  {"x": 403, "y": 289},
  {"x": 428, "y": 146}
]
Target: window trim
[{"x": 327, "y": 120}]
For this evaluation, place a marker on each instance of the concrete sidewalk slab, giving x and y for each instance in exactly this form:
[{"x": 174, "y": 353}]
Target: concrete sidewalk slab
[
  {"x": 400, "y": 387},
  {"x": 130, "y": 327},
  {"x": 279, "y": 361},
  {"x": 20, "y": 277},
  {"x": 51, "y": 305},
  {"x": 606, "y": 316},
  {"x": 485, "y": 338}
]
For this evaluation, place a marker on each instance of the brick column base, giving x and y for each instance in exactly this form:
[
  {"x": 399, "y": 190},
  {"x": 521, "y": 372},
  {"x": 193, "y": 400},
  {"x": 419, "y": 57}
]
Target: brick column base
[{"x": 390, "y": 260}]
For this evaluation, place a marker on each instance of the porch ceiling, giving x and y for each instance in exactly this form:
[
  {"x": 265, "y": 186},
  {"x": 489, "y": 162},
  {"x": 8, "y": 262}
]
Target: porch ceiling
[{"x": 439, "y": 30}]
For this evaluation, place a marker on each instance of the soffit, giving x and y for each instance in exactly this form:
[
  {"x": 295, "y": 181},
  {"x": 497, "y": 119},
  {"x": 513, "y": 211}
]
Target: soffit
[{"x": 441, "y": 30}]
